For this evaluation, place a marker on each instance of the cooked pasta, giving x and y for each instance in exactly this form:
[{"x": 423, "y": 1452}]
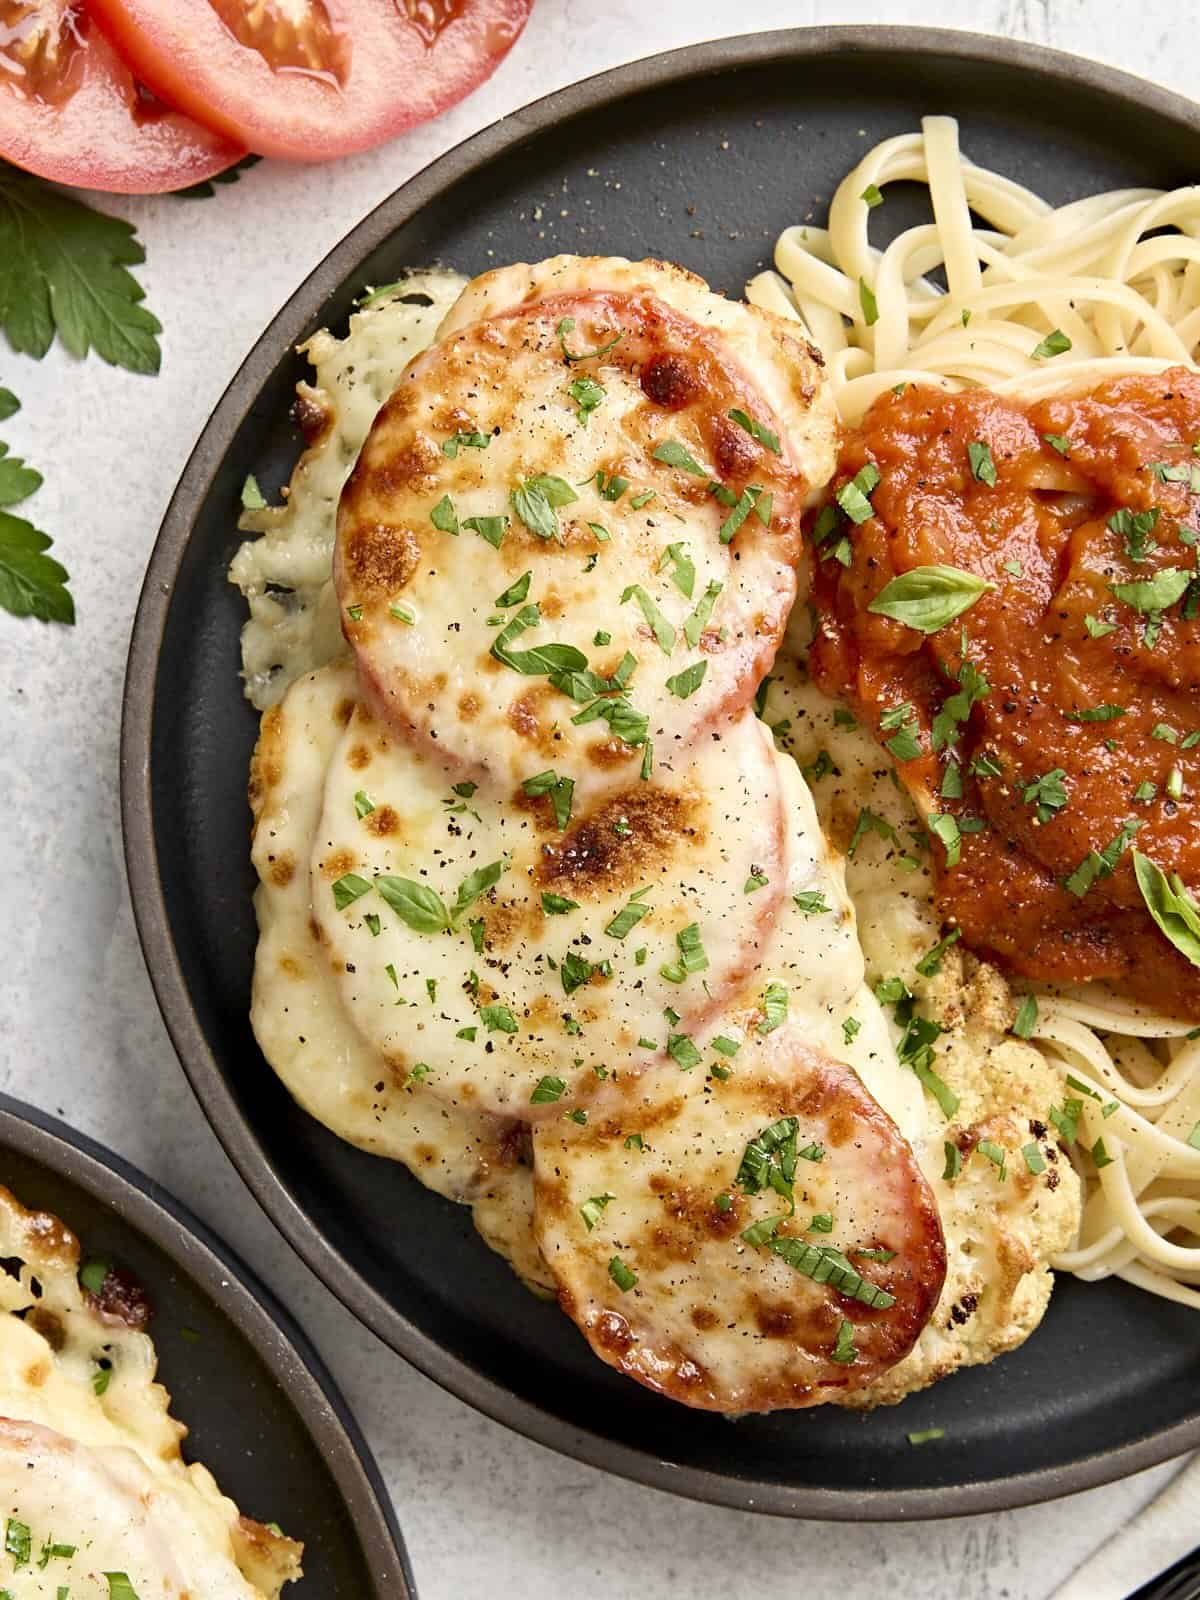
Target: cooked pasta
[
  {"x": 1037, "y": 300},
  {"x": 1117, "y": 274}
]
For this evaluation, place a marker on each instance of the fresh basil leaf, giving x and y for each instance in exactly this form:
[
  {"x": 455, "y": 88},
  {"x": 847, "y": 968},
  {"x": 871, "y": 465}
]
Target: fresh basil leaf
[
  {"x": 516, "y": 593},
  {"x": 471, "y": 440},
  {"x": 742, "y": 509},
  {"x": 498, "y": 1019},
  {"x": 10, "y": 405},
  {"x": 534, "y": 509},
  {"x": 548, "y": 1089},
  {"x": 624, "y": 1277},
  {"x": 542, "y": 659},
  {"x": 416, "y": 904},
  {"x": 587, "y": 395},
  {"x": 349, "y": 887},
  {"x": 557, "y": 905},
  {"x": 1171, "y": 906},
  {"x": 774, "y": 1006},
  {"x": 683, "y": 568},
  {"x": 475, "y": 884},
  {"x": 929, "y": 598},
  {"x": 983, "y": 467},
  {"x": 695, "y": 624},
  {"x": 566, "y": 326}
]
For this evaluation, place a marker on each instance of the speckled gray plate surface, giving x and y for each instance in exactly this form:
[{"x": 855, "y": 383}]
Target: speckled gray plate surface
[
  {"x": 261, "y": 1410},
  {"x": 701, "y": 156}
]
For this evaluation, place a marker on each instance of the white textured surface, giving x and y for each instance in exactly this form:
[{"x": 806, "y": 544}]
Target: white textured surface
[{"x": 483, "y": 1510}]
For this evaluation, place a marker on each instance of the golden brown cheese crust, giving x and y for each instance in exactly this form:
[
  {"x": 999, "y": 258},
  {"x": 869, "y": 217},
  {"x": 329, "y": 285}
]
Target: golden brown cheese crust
[
  {"x": 710, "y": 1319},
  {"x": 434, "y": 522}
]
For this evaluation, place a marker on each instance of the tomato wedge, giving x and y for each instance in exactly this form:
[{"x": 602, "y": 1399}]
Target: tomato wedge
[
  {"x": 71, "y": 110},
  {"x": 311, "y": 79}
]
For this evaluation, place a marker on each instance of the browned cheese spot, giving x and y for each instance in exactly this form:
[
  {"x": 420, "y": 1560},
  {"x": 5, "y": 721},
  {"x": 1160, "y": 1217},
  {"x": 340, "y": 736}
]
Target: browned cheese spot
[
  {"x": 379, "y": 558},
  {"x": 338, "y": 864},
  {"x": 283, "y": 869},
  {"x": 594, "y": 858},
  {"x": 670, "y": 381},
  {"x": 382, "y": 821},
  {"x": 469, "y": 706},
  {"x": 359, "y": 757},
  {"x": 734, "y": 451}
]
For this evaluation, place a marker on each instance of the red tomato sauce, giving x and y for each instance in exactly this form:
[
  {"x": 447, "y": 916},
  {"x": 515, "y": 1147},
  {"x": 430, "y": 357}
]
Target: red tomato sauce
[{"x": 1043, "y": 883}]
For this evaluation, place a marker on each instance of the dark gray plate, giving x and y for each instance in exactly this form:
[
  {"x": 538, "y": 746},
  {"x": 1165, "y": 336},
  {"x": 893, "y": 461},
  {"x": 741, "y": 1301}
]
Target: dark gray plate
[
  {"x": 700, "y": 156},
  {"x": 262, "y": 1412}
]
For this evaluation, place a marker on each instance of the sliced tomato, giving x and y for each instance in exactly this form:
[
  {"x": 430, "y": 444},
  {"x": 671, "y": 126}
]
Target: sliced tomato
[
  {"x": 311, "y": 79},
  {"x": 71, "y": 110}
]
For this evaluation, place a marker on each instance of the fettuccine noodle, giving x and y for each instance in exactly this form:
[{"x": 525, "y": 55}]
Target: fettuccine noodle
[{"x": 1128, "y": 303}]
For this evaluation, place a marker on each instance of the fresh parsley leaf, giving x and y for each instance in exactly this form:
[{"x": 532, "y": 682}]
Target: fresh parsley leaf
[
  {"x": 686, "y": 683},
  {"x": 547, "y": 1090},
  {"x": 1054, "y": 344},
  {"x": 587, "y": 395},
  {"x": 64, "y": 270},
  {"x": 1150, "y": 595},
  {"x": 498, "y": 1019},
  {"x": 811, "y": 902},
  {"x": 695, "y": 624},
  {"x": 32, "y": 584},
  {"x": 1049, "y": 793},
  {"x": 470, "y": 440},
  {"x": 983, "y": 467},
  {"x": 672, "y": 454},
  {"x": 683, "y": 568},
  {"x": 757, "y": 431}
]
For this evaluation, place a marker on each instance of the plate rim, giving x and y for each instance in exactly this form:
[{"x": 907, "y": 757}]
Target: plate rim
[
  {"x": 255, "y": 1311},
  {"x": 299, "y": 313}
]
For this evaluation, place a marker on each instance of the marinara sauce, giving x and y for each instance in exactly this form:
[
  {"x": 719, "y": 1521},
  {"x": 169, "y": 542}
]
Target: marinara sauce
[{"x": 1057, "y": 720}]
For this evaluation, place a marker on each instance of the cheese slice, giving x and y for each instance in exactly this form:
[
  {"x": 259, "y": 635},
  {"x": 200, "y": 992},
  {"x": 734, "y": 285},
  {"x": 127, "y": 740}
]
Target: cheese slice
[
  {"x": 296, "y": 1009},
  {"x": 529, "y": 526},
  {"x": 642, "y": 1217},
  {"x": 513, "y": 950}
]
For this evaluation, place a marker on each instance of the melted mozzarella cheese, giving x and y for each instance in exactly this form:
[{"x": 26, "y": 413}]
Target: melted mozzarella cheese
[
  {"x": 641, "y": 1216},
  {"x": 500, "y": 511},
  {"x": 96, "y": 1464},
  {"x": 562, "y": 967},
  {"x": 297, "y": 1013},
  {"x": 284, "y": 572}
]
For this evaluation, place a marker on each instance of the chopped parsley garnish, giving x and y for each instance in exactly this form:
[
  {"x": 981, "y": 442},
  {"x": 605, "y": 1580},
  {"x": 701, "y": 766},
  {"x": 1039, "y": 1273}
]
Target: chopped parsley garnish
[
  {"x": 995, "y": 1154},
  {"x": 756, "y": 881},
  {"x": 574, "y": 971},
  {"x": 756, "y": 431},
  {"x": 1104, "y": 713},
  {"x": 823, "y": 1264},
  {"x": 621, "y": 1275},
  {"x": 567, "y": 326},
  {"x": 1066, "y": 1119},
  {"x": 854, "y": 496},
  {"x": 623, "y": 721},
  {"x": 672, "y": 454},
  {"x": 1059, "y": 442},
  {"x": 774, "y": 1006},
  {"x": 1102, "y": 863},
  {"x": 944, "y": 827},
  {"x": 548, "y": 1089},
  {"x": 870, "y": 306},
  {"x": 1048, "y": 792},
  {"x": 497, "y": 1019},
  {"x": 1100, "y": 1155},
  {"x": 873, "y": 196},
  {"x": 691, "y": 955},
  {"x": 363, "y": 804},
  {"x": 592, "y": 1210},
  {"x": 1054, "y": 344},
  {"x": 930, "y": 963},
  {"x": 611, "y": 488},
  {"x": 628, "y": 917},
  {"x": 683, "y": 568},
  {"x": 683, "y": 1051},
  {"x": 443, "y": 516},
  {"x": 724, "y": 1046},
  {"x": 953, "y": 1161},
  {"x": 744, "y": 505},
  {"x": 560, "y": 790},
  {"x": 1034, "y": 1158},
  {"x": 851, "y": 1028},
  {"x": 516, "y": 592},
  {"x": 869, "y": 822},
  {"x": 1097, "y": 629},
  {"x": 557, "y": 905},
  {"x": 1026, "y": 1018},
  {"x": 811, "y": 902},
  {"x": 587, "y": 395},
  {"x": 537, "y": 500},
  {"x": 904, "y": 744},
  {"x": 18, "y": 1542},
  {"x": 1135, "y": 529},
  {"x": 465, "y": 441},
  {"x": 686, "y": 683},
  {"x": 844, "y": 1349},
  {"x": 664, "y": 633},
  {"x": 119, "y": 1586},
  {"x": 543, "y": 659},
  {"x": 926, "y": 1435},
  {"x": 1151, "y": 595},
  {"x": 983, "y": 468},
  {"x": 349, "y": 888},
  {"x": 252, "y": 495},
  {"x": 695, "y": 624}
]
